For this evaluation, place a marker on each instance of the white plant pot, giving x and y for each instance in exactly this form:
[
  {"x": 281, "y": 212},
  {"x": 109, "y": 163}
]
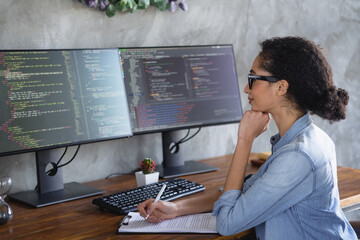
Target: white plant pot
[{"x": 145, "y": 179}]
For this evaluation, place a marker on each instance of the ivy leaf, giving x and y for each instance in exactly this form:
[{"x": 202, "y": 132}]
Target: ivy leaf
[
  {"x": 162, "y": 5},
  {"x": 143, "y": 4},
  {"x": 111, "y": 10},
  {"x": 122, "y": 5},
  {"x": 132, "y": 5}
]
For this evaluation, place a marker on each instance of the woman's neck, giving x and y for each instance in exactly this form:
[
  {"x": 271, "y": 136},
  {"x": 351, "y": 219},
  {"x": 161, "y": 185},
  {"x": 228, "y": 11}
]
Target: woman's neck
[{"x": 285, "y": 119}]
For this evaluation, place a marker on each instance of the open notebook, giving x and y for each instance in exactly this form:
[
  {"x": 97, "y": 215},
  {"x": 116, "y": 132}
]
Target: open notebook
[{"x": 196, "y": 223}]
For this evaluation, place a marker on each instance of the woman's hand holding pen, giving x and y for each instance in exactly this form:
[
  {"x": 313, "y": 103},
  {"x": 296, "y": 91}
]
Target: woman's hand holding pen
[
  {"x": 158, "y": 211},
  {"x": 161, "y": 210}
]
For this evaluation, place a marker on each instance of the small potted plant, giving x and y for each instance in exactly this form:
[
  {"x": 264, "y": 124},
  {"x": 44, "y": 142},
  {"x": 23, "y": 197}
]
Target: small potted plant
[{"x": 147, "y": 174}]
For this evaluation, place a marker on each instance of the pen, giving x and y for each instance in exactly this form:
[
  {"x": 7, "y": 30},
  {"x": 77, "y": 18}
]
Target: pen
[{"x": 158, "y": 196}]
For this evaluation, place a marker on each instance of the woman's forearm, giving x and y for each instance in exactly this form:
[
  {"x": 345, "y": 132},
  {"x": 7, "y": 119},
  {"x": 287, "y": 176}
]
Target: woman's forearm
[
  {"x": 236, "y": 174},
  {"x": 200, "y": 204},
  {"x": 252, "y": 125}
]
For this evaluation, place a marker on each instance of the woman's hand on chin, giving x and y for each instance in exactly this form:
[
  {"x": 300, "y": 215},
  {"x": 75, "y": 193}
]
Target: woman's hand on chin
[{"x": 252, "y": 124}]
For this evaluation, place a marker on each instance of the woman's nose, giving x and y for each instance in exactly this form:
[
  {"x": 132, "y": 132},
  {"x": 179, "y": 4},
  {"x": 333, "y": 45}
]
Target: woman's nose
[{"x": 247, "y": 89}]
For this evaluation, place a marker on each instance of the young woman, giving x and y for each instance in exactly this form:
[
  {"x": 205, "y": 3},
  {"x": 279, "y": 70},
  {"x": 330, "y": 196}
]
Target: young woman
[{"x": 294, "y": 195}]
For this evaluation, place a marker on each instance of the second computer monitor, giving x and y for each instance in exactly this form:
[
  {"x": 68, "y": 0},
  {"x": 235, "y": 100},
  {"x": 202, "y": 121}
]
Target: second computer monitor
[
  {"x": 180, "y": 87},
  {"x": 171, "y": 88}
]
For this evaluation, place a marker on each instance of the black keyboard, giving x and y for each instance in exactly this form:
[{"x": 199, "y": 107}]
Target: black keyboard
[{"x": 127, "y": 201}]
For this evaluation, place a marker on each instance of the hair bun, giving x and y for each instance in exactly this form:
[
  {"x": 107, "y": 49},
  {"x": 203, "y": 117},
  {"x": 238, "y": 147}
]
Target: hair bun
[
  {"x": 340, "y": 94},
  {"x": 333, "y": 105},
  {"x": 343, "y": 95}
]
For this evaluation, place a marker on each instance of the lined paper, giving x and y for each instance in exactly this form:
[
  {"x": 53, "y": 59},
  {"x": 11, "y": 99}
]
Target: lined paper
[{"x": 195, "y": 223}]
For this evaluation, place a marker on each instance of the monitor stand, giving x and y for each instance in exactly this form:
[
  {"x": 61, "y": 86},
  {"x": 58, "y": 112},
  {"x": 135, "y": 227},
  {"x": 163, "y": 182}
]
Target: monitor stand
[
  {"x": 51, "y": 189},
  {"x": 173, "y": 163}
]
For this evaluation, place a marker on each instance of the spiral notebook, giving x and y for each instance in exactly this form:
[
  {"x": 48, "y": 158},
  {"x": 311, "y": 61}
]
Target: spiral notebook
[{"x": 195, "y": 223}]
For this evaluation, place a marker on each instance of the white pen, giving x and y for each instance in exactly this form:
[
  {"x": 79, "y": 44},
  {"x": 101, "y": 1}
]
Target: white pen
[{"x": 158, "y": 196}]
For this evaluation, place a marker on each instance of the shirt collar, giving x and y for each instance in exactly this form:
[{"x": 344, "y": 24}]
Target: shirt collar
[{"x": 277, "y": 142}]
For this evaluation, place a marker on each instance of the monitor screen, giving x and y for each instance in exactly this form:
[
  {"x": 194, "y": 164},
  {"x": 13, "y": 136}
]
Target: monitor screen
[
  {"x": 180, "y": 87},
  {"x": 173, "y": 88},
  {"x": 53, "y": 98}
]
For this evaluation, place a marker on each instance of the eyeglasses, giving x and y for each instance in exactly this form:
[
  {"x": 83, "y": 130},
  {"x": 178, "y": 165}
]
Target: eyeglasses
[{"x": 252, "y": 78}]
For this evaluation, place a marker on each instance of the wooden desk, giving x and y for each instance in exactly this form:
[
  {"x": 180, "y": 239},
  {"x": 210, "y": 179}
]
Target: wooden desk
[{"x": 80, "y": 219}]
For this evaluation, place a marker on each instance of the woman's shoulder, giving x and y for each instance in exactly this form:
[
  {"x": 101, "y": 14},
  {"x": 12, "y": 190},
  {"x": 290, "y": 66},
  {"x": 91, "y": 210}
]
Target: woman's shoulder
[
  {"x": 311, "y": 145},
  {"x": 290, "y": 155}
]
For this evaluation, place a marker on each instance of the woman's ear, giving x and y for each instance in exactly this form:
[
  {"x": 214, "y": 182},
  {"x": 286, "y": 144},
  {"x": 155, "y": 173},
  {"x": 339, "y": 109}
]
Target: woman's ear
[{"x": 282, "y": 87}]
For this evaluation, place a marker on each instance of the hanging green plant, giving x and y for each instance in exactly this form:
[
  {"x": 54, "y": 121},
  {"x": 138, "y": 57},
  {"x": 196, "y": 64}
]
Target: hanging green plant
[{"x": 112, "y": 6}]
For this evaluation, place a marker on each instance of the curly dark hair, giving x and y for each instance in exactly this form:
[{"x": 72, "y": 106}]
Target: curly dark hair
[{"x": 304, "y": 66}]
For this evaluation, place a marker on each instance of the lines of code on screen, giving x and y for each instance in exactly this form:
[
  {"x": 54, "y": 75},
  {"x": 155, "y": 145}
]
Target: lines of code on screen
[
  {"x": 173, "y": 87},
  {"x": 57, "y": 97}
]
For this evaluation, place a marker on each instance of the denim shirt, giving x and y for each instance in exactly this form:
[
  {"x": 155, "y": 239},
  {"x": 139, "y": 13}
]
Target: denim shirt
[{"x": 294, "y": 195}]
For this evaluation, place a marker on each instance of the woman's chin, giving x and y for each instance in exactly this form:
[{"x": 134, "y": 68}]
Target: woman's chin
[{"x": 253, "y": 108}]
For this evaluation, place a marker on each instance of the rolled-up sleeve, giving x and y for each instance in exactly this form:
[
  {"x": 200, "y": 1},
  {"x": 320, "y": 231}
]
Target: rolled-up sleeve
[
  {"x": 287, "y": 180},
  {"x": 228, "y": 199}
]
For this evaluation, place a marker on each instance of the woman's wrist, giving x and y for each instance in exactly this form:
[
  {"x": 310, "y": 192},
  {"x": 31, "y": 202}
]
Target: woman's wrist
[
  {"x": 180, "y": 208},
  {"x": 244, "y": 142}
]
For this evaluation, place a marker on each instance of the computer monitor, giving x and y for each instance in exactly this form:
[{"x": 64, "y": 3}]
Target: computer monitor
[
  {"x": 173, "y": 88},
  {"x": 51, "y": 99}
]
